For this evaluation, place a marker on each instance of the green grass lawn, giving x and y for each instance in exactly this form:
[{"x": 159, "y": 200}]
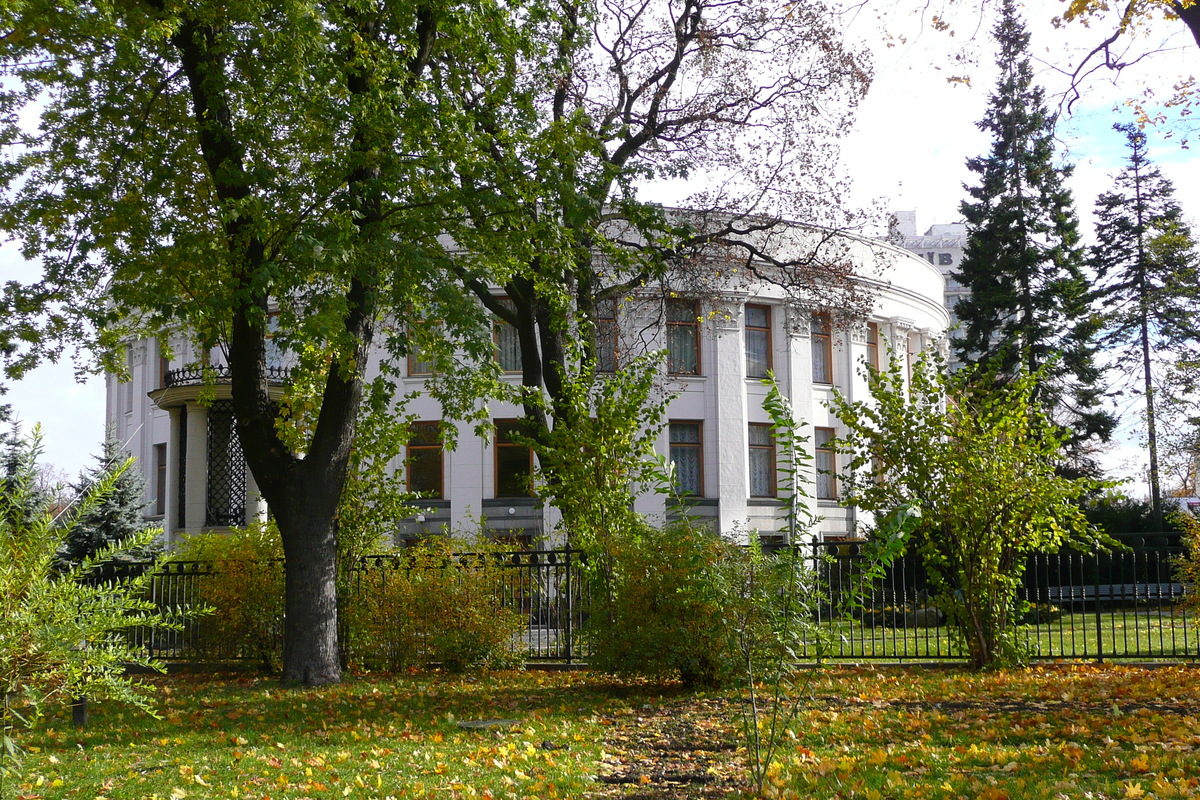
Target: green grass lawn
[
  {"x": 1068, "y": 731},
  {"x": 242, "y": 737}
]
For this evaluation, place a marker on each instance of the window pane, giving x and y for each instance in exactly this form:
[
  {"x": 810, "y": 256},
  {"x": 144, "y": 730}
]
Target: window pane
[
  {"x": 508, "y": 347},
  {"x": 872, "y": 345},
  {"x": 425, "y": 460},
  {"x": 683, "y": 338},
  {"x": 685, "y": 432},
  {"x": 826, "y": 464},
  {"x": 822, "y": 350},
  {"x": 514, "y": 462},
  {"x": 761, "y": 434},
  {"x": 513, "y": 475},
  {"x": 606, "y": 346},
  {"x": 762, "y": 461},
  {"x": 686, "y": 456},
  {"x": 758, "y": 341}
]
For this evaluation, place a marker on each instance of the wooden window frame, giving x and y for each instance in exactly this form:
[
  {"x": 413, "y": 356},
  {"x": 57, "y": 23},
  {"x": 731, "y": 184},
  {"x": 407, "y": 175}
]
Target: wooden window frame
[
  {"x": 160, "y": 480},
  {"x": 418, "y": 444},
  {"x": 873, "y": 345},
  {"x": 822, "y": 337},
  {"x": 769, "y": 447},
  {"x": 763, "y": 330},
  {"x": 498, "y": 325},
  {"x": 499, "y": 445},
  {"x": 693, "y": 325},
  {"x": 822, "y": 448},
  {"x": 607, "y": 332},
  {"x": 698, "y": 446}
]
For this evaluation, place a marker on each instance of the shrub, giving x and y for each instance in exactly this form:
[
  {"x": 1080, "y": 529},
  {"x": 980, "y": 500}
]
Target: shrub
[
  {"x": 662, "y": 606},
  {"x": 245, "y": 592},
  {"x": 428, "y": 605},
  {"x": 1187, "y": 565}
]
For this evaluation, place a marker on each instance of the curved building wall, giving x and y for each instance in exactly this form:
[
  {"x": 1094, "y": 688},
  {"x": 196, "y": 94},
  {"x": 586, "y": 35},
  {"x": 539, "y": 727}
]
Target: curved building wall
[{"x": 715, "y": 431}]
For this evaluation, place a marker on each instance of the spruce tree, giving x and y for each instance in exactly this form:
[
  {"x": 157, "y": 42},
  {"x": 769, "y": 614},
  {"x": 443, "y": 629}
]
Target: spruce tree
[
  {"x": 114, "y": 517},
  {"x": 1145, "y": 265},
  {"x": 1028, "y": 308}
]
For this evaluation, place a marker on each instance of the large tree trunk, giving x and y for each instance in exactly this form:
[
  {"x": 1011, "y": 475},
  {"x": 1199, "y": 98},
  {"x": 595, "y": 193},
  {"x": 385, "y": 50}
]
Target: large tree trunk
[{"x": 310, "y": 643}]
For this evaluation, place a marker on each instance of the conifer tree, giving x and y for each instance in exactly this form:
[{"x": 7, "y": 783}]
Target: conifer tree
[
  {"x": 1145, "y": 262},
  {"x": 1028, "y": 308},
  {"x": 114, "y": 517}
]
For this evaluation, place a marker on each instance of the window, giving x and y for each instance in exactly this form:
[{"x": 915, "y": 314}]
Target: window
[
  {"x": 508, "y": 343},
  {"x": 160, "y": 480},
  {"x": 762, "y": 461},
  {"x": 822, "y": 349},
  {"x": 687, "y": 458},
  {"x": 421, "y": 362},
  {"x": 758, "y": 341},
  {"x": 945, "y": 259},
  {"x": 606, "y": 335},
  {"x": 514, "y": 461},
  {"x": 873, "y": 345},
  {"x": 424, "y": 460},
  {"x": 826, "y": 464},
  {"x": 164, "y": 366},
  {"x": 127, "y": 385},
  {"x": 274, "y": 351},
  {"x": 683, "y": 337},
  {"x": 914, "y": 349}
]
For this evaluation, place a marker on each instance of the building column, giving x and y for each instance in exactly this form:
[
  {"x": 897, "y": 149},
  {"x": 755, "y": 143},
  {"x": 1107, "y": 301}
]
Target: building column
[
  {"x": 195, "y": 468},
  {"x": 170, "y": 521},
  {"x": 726, "y": 441},
  {"x": 256, "y": 505}
]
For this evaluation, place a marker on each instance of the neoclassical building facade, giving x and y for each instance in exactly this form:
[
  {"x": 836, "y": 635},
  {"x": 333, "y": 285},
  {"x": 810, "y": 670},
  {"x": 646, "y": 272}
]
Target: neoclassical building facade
[{"x": 177, "y": 418}]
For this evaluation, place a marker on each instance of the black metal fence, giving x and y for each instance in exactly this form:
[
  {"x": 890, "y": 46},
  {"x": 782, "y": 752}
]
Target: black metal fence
[
  {"x": 1123, "y": 604},
  {"x": 1118, "y": 604}
]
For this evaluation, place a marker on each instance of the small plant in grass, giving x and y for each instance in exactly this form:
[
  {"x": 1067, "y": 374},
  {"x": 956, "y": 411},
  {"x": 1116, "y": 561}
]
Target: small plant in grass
[
  {"x": 779, "y": 594},
  {"x": 438, "y": 602},
  {"x": 62, "y": 627}
]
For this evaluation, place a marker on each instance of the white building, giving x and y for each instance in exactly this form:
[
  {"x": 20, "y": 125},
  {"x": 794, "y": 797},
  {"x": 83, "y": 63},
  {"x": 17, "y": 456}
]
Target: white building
[
  {"x": 717, "y": 434},
  {"x": 940, "y": 245}
]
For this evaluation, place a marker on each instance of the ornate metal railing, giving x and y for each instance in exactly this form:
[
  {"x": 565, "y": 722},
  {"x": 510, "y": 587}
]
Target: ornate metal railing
[{"x": 194, "y": 374}]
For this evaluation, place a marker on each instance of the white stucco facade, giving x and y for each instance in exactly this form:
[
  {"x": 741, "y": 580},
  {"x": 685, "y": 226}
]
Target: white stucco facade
[{"x": 174, "y": 429}]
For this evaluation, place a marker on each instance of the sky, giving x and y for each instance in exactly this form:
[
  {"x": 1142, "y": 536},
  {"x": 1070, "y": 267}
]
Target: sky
[{"x": 908, "y": 151}]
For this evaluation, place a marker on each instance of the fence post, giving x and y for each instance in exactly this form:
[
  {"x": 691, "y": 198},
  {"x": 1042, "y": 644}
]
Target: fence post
[
  {"x": 1096, "y": 607},
  {"x": 570, "y": 605}
]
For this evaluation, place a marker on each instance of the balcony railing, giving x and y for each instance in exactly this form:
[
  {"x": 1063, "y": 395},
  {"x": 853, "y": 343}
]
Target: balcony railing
[{"x": 194, "y": 374}]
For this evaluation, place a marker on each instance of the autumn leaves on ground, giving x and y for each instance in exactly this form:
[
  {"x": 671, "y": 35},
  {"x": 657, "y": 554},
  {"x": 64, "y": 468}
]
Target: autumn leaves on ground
[{"x": 1052, "y": 732}]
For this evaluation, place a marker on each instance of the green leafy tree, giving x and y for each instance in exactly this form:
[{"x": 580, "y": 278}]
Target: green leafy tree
[
  {"x": 1028, "y": 306},
  {"x": 1146, "y": 263},
  {"x": 62, "y": 632},
  {"x": 212, "y": 164},
  {"x": 658, "y": 91},
  {"x": 114, "y": 518},
  {"x": 979, "y": 465}
]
